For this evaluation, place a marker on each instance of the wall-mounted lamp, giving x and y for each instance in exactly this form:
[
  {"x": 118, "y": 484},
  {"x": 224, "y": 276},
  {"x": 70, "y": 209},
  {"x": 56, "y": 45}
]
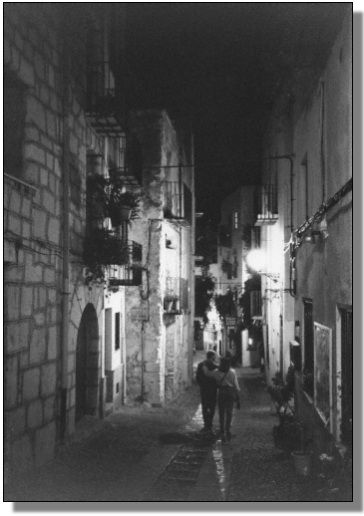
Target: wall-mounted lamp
[
  {"x": 321, "y": 233},
  {"x": 309, "y": 238},
  {"x": 256, "y": 260}
]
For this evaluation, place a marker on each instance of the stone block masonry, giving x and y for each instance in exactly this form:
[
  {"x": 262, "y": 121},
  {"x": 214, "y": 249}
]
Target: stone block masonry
[{"x": 33, "y": 49}]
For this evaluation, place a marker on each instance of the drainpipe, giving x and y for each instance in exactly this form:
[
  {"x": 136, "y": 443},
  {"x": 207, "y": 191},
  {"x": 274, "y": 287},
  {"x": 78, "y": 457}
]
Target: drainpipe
[
  {"x": 66, "y": 237},
  {"x": 322, "y": 142},
  {"x": 142, "y": 339}
]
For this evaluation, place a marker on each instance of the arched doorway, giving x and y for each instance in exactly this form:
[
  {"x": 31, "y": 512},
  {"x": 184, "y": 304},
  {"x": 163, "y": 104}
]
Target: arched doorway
[{"x": 87, "y": 364}]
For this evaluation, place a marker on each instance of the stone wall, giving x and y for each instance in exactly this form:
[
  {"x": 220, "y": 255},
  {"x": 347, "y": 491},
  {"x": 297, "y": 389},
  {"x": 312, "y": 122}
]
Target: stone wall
[
  {"x": 33, "y": 224},
  {"x": 159, "y": 347}
]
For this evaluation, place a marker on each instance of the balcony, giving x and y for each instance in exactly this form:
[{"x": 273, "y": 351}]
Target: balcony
[
  {"x": 103, "y": 106},
  {"x": 175, "y": 295},
  {"x": 126, "y": 175},
  {"x": 255, "y": 303},
  {"x": 266, "y": 204},
  {"x": 130, "y": 273},
  {"x": 177, "y": 205}
]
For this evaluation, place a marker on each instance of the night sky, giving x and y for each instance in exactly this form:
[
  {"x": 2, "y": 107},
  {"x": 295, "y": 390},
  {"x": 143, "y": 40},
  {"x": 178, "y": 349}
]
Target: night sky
[{"x": 221, "y": 65}]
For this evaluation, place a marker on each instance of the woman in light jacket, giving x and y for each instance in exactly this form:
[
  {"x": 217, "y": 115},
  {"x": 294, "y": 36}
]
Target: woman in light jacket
[{"x": 229, "y": 389}]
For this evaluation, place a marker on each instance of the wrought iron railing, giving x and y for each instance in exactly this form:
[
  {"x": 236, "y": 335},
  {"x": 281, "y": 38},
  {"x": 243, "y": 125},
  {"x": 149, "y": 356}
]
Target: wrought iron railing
[
  {"x": 103, "y": 103},
  {"x": 130, "y": 176},
  {"x": 177, "y": 201},
  {"x": 266, "y": 202},
  {"x": 255, "y": 303},
  {"x": 130, "y": 273},
  {"x": 176, "y": 295}
]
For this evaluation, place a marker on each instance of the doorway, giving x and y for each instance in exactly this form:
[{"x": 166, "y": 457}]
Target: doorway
[
  {"x": 88, "y": 366},
  {"x": 346, "y": 374},
  {"x": 308, "y": 339}
]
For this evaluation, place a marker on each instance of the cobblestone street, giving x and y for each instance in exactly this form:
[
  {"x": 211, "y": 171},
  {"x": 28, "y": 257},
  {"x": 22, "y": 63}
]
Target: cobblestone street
[{"x": 145, "y": 454}]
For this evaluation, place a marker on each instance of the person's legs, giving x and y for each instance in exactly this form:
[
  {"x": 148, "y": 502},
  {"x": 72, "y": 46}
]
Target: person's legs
[
  {"x": 221, "y": 404},
  {"x": 229, "y": 415},
  {"x": 210, "y": 409},
  {"x": 205, "y": 408}
]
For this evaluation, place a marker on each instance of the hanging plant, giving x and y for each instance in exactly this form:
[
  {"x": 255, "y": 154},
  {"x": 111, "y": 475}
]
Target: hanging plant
[
  {"x": 106, "y": 197},
  {"x": 101, "y": 249},
  {"x": 226, "y": 267},
  {"x": 224, "y": 236}
]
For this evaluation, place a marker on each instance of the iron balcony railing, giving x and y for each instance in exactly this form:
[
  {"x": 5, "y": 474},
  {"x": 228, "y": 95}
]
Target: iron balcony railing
[
  {"x": 177, "y": 203},
  {"x": 255, "y": 303},
  {"x": 266, "y": 203},
  {"x": 104, "y": 105},
  {"x": 175, "y": 295},
  {"x": 129, "y": 274},
  {"x": 130, "y": 175}
]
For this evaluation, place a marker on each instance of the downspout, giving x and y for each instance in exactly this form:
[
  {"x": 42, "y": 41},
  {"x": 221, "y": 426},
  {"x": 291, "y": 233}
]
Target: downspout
[
  {"x": 66, "y": 237},
  {"x": 142, "y": 340},
  {"x": 322, "y": 142}
]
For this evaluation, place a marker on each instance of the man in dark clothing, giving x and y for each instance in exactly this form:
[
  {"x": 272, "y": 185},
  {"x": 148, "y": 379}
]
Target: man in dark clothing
[{"x": 208, "y": 390}]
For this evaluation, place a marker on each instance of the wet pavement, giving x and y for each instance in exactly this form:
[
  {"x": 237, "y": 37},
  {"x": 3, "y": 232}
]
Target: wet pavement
[{"x": 146, "y": 454}]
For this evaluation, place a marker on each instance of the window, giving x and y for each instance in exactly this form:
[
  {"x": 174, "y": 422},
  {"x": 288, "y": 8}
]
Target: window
[
  {"x": 255, "y": 237},
  {"x": 117, "y": 330},
  {"x": 236, "y": 220},
  {"x": 14, "y": 124},
  {"x": 308, "y": 337}
]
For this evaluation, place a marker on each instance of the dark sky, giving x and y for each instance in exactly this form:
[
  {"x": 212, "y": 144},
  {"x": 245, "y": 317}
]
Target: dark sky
[{"x": 221, "y": 64}]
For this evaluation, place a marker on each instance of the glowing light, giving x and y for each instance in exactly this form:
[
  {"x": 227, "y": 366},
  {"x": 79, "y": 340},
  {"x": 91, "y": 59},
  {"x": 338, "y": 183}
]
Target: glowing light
[{"x": 256, "y": 260}]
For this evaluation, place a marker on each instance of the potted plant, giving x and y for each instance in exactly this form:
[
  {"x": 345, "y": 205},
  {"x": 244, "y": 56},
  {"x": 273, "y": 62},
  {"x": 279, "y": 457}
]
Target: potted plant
[
  {"x": 102, "y": 249},
  {"x": 302, "y": 457},
  {"x": 107, "y": 197},
  {"x": 123, "y": 206}
]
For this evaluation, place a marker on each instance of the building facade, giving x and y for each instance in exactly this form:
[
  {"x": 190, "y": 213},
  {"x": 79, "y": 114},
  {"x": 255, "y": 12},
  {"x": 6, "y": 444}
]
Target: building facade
[
  {"x": 160, "y": 313},
  {"x": 307, "y": 277},
  {"x": 84, "y": 287},
  {"x": 237, "y": 236}
]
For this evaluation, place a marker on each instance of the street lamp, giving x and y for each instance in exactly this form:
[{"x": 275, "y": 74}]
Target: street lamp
[{"x": 256, "y": 260}]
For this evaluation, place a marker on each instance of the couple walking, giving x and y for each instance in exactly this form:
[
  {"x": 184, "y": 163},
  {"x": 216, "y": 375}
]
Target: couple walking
[{"x": 217, "y": 382}]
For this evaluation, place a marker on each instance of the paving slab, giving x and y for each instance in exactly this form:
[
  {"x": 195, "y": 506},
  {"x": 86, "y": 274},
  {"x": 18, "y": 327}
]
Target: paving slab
[{"x": 159, "y": 455}]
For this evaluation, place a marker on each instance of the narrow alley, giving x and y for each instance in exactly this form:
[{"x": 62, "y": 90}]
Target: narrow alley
[
  {"x": 159, "y": 455},
  {"x": 178, "y": 179}
]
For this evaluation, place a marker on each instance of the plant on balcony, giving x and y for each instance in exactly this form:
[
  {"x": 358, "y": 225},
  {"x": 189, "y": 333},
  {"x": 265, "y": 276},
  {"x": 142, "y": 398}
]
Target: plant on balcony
[
  {"x": 225, "y": 304},
  {"x": 107, "y": 197},
  {"x": 102, "y": 249},
  {"x": 204, "y": 289},
  {"x": 227, "y": 267},
  {"x": 224, "y": 236},
  {"x": 251, "y": 285}
]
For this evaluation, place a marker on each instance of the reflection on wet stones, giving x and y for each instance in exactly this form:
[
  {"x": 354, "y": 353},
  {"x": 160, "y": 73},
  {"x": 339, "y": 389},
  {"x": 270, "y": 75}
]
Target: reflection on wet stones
[{"x": 180, "y": 476}]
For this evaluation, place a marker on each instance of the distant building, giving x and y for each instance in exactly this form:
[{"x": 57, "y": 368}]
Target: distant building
[
  {"x": 160, "y": 313},
  {"x": 237, "y": 235}
]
